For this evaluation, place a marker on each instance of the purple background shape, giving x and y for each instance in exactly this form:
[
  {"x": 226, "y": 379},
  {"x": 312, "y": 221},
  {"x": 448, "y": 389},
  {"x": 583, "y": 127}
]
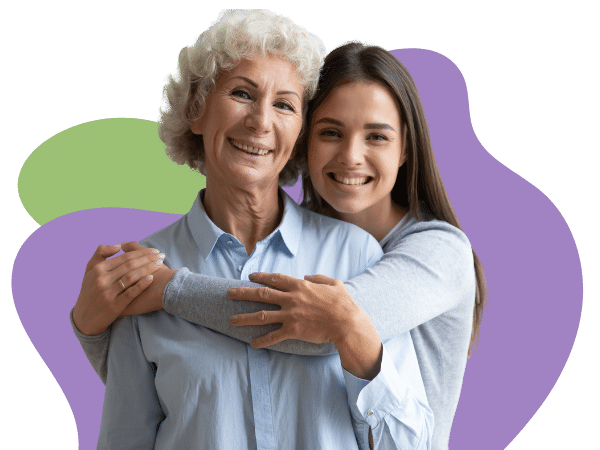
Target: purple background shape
[{"x": 529, "y": 255}]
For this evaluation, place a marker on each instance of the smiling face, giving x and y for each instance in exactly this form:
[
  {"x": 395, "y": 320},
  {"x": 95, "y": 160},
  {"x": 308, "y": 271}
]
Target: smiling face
[
  {"x": 251, "y": 122},
  {"x": 355, "y": 150}
]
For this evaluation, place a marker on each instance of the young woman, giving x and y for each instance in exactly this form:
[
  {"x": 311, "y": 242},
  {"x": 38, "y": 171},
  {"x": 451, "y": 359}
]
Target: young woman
[{"x": 370, "y": 162}]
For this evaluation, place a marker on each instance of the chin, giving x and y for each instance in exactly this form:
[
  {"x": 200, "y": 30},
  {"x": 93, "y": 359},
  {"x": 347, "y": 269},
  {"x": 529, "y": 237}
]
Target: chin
[{"x": 346, "y": 208}]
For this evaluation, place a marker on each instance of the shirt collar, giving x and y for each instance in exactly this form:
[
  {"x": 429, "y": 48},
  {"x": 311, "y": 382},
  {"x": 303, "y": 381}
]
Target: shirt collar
[
  {"x": 290, "y": 227},
  {"x": 206, "y": 233}
]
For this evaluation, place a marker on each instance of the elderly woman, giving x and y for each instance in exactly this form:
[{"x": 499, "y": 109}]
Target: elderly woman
[{"x": 236, "y": 114}]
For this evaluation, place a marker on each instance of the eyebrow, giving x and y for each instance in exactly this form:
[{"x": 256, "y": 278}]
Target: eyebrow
[
  {"x": 368, "y": 126},
  {"x": 253, "y": 84},
  {"x": 378, "y": 126}
]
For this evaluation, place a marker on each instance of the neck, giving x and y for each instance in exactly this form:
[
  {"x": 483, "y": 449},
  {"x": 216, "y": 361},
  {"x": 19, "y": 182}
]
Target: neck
[
  {"x": 378, "y": 220},
  {"x": 250, "y": 216}
]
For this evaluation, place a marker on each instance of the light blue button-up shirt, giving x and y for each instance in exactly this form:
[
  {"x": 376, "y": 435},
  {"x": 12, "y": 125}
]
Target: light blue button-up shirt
[{"x": 175, "y": 385}]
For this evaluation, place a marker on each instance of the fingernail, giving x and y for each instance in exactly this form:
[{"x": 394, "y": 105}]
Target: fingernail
[
  {"x": 231, "y": 291},
  {"x": 149, "y": 278},
  {"x": 158, "y": 262},
  {"x": 233, "y": 319},
  {"x": 155, "y": 251},
  {"x": 161, "y": 256},
  {"x": 116, "y": 245},
  {"x": 124, "y": 242},
  {"x": 252, "y": 276}
]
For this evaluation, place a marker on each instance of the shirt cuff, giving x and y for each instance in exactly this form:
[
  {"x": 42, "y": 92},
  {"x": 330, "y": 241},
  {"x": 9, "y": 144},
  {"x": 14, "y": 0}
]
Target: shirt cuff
[
  {"x": 371, "y": 401},
  {"x": 171, "y": 291}
]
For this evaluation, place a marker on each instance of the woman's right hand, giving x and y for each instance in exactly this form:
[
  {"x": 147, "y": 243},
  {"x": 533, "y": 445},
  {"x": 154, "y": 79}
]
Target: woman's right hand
[{"x": 109, "y": 286}]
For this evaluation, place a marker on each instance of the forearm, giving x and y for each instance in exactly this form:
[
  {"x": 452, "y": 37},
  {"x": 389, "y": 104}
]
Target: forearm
[
  {"x": 359, "y": 347},
  {"x": 203, "y": 300}
]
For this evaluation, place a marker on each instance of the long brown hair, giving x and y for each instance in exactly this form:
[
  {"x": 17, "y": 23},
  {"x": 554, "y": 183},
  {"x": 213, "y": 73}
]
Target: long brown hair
[{"x": 419, "y": 186}]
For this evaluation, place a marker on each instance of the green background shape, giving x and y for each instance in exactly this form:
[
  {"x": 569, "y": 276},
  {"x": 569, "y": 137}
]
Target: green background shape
[
  {"x": 529, "y": 68},
  {"x": 105, "y": 163}
]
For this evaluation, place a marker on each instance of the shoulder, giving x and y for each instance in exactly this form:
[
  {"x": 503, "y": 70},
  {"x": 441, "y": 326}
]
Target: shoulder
[
  {"x": 429, "y": 233},
  {"x": 167, "y": 235},
  {"x": 437, "y": 245}
]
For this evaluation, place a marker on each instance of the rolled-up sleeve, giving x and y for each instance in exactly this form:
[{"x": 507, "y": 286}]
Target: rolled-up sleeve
[
  {"x": 394, "y": 404},
  {"x": 131, "y": 413}
]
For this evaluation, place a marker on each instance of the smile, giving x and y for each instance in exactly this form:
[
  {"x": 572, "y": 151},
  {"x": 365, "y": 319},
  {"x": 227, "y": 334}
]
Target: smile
[
  {"x": 354, "y": 181},
  {"x": 249, "y": 149}
]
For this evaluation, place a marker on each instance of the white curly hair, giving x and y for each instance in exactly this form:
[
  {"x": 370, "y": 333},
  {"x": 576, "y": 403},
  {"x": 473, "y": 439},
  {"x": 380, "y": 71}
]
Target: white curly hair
[{"x": 237, "y": 34}]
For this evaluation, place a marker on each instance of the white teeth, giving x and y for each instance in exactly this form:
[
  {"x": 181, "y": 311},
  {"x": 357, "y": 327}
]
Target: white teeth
[
  {"x": 354, "y": 181},
  {"x": 248, "y": 149}
]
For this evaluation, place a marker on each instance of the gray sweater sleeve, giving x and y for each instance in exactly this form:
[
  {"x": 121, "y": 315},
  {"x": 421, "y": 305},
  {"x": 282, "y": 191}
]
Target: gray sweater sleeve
[
  {"x": 203, "y": 300},
  {"x": 422, "y": 274}
]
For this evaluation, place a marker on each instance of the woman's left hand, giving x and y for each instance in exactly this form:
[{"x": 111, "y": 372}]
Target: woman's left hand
[{"x": 317, "y": 309}]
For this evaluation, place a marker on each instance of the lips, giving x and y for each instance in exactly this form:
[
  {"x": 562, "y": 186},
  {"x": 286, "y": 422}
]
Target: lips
[
  {"x": 260, "y": 151},
  {"x": 351, "y": 180}
]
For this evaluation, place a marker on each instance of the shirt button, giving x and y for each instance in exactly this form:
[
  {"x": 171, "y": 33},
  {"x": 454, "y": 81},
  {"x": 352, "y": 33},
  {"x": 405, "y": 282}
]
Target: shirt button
[
  {"x": 240, "y": 268},
  {"x": 229, "y": 242},
  {"x": 370, "y": 413}
]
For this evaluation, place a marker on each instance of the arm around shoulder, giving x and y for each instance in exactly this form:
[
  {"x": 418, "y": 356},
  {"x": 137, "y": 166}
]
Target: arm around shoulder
[
  {"x": 427, "y": 270},
  {"x": 203, "y": 300}
]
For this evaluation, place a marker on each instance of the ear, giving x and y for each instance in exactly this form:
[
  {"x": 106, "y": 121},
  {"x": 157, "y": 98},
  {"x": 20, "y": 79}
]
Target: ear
[
  {"x": 196, "y": 126},
  {"x": 402, "y": 159}
]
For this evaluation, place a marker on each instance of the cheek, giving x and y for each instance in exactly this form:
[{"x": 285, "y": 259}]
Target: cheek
[
  {"x": 389, "y": 168},
  {"x": 313, "y": 168},
  {"x": 316, "y": 160}
]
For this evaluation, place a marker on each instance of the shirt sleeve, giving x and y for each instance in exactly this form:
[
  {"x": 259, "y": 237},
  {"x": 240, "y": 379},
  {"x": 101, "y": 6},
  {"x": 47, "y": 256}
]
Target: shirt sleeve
[
  {"x": 131, "y": 413},
  {"x": 394, "y": 404}
]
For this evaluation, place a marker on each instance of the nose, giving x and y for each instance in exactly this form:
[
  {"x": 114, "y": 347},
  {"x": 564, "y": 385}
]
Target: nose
[
  {"x": 351, "y": 152},
  {"x": 259, "y": 119}
]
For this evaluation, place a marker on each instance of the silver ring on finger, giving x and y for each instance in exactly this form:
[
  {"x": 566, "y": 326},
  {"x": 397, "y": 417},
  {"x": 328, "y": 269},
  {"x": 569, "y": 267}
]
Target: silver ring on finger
[{"x": 122, "y": 285}]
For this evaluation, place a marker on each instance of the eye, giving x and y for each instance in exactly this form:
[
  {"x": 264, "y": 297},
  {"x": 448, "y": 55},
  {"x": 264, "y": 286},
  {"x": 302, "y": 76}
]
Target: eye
[
  {"x": 377, "y": 137},
  {"x": 284, "y": 105},
  {"x": 330, "y": 133},
  {"x": 240, "y": 93}
]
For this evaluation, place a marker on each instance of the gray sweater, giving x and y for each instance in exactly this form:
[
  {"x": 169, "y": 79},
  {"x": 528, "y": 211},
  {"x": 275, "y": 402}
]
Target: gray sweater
[{"x": 425, "y": 283}]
